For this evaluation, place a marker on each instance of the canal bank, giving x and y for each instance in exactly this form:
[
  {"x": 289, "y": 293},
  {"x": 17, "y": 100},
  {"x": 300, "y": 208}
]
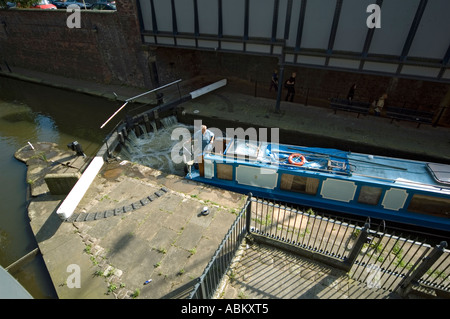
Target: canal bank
[
  {"x": 235, "y": 106},
  {"x": 313, "y": 126}
]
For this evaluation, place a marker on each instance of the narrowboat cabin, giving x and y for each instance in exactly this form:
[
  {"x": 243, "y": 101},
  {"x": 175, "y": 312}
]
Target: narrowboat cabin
[{"x": 395, "y": 190}]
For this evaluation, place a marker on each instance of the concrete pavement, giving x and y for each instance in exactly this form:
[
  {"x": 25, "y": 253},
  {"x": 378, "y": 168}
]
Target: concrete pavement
[
  {"x": 155, "y": 231},
  {"x": 264, "y": 272}
]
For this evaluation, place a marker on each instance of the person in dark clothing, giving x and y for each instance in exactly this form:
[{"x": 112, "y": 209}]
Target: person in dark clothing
[
  {"x": 274, "y": 81},
  {"x": 351, "y": 94},
  {"x": 290, "y": 86}
]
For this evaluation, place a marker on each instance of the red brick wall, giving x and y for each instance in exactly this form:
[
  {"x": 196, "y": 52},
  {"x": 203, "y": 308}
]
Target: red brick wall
[
  {"x": 253, "y": 73},
  {"x": 105, "y": 49}
]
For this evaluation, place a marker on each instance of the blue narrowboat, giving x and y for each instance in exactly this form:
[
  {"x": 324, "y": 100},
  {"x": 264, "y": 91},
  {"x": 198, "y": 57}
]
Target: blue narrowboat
[{"x": 395, "y": 190}]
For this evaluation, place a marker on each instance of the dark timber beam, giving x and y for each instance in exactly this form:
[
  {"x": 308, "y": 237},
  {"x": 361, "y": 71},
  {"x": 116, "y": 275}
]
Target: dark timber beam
[
  {"x": 413, "y": 29},
  {"x": 301, "y": 22},
  {"x": 174, "y": 18},
  {"x": 368, "y": 41},
  {"x": 196, "y": 24},
  {"x": 276, "y": 5},
  {"x": 154, "y": 23},
  {"x": 287, "y": 25},
  {"x": 445, "y": 62},
  {"x": 246, "y": 18},
  {"x": 220, "y": 19},
  {"x": 369, "y": 35},
  {"x": 446, "y": 58},
  {"x": 337, "y": 14}
]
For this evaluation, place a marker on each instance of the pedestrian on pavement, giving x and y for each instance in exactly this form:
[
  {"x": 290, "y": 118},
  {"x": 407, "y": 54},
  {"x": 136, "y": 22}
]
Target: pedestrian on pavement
[
  {"x": 274, "y": 81},
  {"x": 351, "y": 93},
  {"x": 380, "y": 104},
  {"x": 290, "y": 86}
]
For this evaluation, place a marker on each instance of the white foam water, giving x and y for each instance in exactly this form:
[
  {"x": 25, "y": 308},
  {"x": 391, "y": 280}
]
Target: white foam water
[{"x": 153, "y": 149}]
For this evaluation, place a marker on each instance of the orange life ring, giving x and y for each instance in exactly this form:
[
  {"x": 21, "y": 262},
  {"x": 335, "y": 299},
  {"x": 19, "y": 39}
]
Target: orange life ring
[{"x": 291, "y": 161}]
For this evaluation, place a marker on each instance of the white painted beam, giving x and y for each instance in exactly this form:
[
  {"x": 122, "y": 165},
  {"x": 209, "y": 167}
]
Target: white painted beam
[
  {"x": 208, "y": 88},
  {"x": 79, "y": 190}
]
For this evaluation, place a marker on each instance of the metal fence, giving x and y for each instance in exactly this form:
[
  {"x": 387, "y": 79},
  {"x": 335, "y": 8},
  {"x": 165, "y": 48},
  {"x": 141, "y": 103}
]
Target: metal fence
[
  {"x": 220, "y": 262},
  {"x": 375, "y": 257},
  {"x": 304, "y": 228},
  {"x": 395, "y": 263}
]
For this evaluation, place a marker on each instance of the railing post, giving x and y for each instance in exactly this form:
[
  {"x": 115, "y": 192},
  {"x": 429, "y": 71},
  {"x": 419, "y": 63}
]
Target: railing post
[
  {"x": 248, "y": 213},
  {"x": 421, "y": 267},
  {"x": 360, "y": 241},
  {"x": 280, "y": 83},
  {"x": 202, "y": 289}
]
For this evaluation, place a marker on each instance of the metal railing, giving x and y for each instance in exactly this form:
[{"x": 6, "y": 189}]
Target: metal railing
[
  {"x": 396, "y": 264},
  {"x": 374, "y": 257},
  {"x": 222, "y": 259},
  {"x": 303, "y": 228}
]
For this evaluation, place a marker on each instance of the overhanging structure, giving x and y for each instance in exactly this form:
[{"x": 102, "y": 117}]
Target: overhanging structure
[{"x": 413, "y": 40}]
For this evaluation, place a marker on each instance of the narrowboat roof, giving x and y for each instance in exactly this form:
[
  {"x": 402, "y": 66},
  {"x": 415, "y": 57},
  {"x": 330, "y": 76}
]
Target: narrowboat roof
[
  {"x": 408, "y": 173},
  {"x": 411, "y": 173}
]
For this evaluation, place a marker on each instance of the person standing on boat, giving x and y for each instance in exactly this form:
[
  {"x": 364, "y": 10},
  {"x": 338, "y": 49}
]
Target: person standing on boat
[
  {"x": 380, "y": 104},
  {"x": 290, "y": 86},
  {"x": 274, "y": 81},
  {"x": 206, "y": 137}
]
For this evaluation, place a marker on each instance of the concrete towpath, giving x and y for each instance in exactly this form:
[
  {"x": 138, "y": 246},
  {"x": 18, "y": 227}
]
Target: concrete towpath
[{"x": 309, "y": 125}]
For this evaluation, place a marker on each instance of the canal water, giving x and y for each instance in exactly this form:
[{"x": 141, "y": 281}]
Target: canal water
[
  {"x": 34, "y": 113},
  {"x": 154, "y": 148}
]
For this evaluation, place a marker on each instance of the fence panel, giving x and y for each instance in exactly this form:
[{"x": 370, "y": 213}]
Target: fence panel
[
  {"x": 303, "y": 228},
  {"x": 438, "y": 276},
  {"x": 385, "y": 260}
]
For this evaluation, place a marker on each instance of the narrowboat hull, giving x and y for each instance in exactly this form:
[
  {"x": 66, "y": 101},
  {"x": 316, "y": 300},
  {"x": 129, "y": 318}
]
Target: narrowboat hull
[{"x": 400, "y": 191}]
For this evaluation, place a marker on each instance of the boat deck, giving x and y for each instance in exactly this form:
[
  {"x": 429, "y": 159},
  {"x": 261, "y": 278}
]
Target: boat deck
[
  {"x": 270, "y": 154},
  {"x": 332, "y": 161}
]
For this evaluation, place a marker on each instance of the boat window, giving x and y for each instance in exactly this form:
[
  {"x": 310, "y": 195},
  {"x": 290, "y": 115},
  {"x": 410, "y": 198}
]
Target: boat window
[
  {"x": 301, "y": 184},
  {"x": 224, "y": 171},
  {"x": 430, "y": 205},
  {"x": 369, "y": 195}
]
